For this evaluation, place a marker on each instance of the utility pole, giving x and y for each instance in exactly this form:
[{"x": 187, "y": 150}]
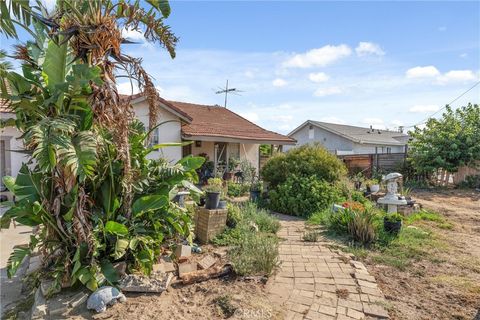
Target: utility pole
[{"x": 226, "y": 91}]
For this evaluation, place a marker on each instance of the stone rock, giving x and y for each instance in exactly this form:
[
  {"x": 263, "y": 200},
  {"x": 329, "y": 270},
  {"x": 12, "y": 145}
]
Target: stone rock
[
  {"x": 39, "y": 308},
  {"x": 184, "y": 268},
  {"x": 164, "y": 267},
  {"x": 103, "y": 297},
  {"x": 48, "y": 288},
  {"x": 206, "y": 262},
  {"x": 120, "y": 267},
  {"x": 375, "y": 311},
  {"x": 183, "y": 251},
  {"x": 220, "y": 254},
  {"x": 78, "y": 299},
  {"x": 35, "y": 264},
  {"x": 157, "y": 283}
]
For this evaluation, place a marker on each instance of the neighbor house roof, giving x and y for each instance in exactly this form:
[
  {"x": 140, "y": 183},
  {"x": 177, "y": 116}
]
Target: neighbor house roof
[
  {"x": 139, "y": 97},
  {"x": 216, "y": 121},
  {"x": 4, "y": 106},
  {"x": 360, "y": 134}
]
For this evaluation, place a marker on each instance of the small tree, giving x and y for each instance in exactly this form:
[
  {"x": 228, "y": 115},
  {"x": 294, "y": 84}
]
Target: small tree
[{"x": 447, "y": 143}]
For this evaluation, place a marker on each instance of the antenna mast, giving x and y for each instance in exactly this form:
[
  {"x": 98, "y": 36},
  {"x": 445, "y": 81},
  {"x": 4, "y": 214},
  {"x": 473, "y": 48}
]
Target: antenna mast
[{"x": 226, "y": 91}]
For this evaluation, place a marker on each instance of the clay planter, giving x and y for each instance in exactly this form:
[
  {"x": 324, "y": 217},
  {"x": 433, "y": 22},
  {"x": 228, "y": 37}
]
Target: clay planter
[
  {"x": 392, "y": 227},
  {"x": 213, "y": 198}
]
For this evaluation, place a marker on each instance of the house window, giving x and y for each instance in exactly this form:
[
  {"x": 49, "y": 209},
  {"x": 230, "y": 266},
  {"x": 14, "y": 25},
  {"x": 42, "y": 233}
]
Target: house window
[
  {"x": 198, "y": 144},
  {"x": 155, "y": 139},
  {"x": 311, "y": 132},
  {"x": 234, "y": 150},
  {"x": 389, "y": 150}
]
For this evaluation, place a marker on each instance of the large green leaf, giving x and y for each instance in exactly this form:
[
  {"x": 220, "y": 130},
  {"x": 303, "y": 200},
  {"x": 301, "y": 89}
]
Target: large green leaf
[
  {"x": 120, "y": 248},
  {"x": 161, "y": 5},
  {"x": 191, "y": 162},
  {"x": 27, "y": 185},
  {"x": 54, "y": 66},
  {"x": 79, "y": 156},
  {"x": 109, "y": 271},
  {"x": 16, "y": 257},
  {"x": 9, "y": 183},
  {"x": 116, "y": 228},
  {"x": 147, "y": 203}
]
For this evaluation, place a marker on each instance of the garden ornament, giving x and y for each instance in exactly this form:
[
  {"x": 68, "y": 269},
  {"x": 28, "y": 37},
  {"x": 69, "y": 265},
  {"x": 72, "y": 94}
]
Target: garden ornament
[
  {"x": 392, "y": 198},
  {"x": 103, "y": 297}
]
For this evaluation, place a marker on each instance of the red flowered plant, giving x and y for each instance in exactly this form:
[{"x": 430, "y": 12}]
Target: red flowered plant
[{"x": 354, "y": 205}]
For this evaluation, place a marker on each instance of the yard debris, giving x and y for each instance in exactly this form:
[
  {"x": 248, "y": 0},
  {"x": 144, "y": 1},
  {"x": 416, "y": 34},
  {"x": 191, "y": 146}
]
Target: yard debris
[
  {"x": 207, "y": 262},
  {"x": 120, "y": 267},
  {"x": 103, "y": 297},
  {"x": 78, "y": 299},
  {"x": 39, "y": 308},
  {"x": 164, "y": 267},
  {"x": 48, "y": 288},
  {"x": 184, "y": 268},
  {"x": 157, "y": 283},
  {"x": 203, "y": 275},
  {"x": 183, "y": 251}
]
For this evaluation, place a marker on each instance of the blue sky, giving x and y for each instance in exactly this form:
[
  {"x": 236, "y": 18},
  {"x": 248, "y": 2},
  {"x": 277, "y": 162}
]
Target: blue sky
[{"x": 363, "y": 63}]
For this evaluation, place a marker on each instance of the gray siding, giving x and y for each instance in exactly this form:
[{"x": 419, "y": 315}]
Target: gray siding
[{"x": 338, "y": 144}]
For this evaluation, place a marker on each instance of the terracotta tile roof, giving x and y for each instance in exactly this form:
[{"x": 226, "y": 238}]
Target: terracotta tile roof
[
  {"x": 4, "y": 107},
  {"x": 216, "y": 121}
]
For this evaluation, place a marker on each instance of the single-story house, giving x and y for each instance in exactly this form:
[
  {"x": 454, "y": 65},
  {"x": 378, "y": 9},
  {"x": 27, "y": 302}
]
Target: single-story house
[
  {"x": 350, "y": 140},
  {"x": 216, "y": 131}
]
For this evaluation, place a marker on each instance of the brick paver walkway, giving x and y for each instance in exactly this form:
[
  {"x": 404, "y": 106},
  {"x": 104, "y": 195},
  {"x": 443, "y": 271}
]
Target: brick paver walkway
[{"x": 315, "y": 282}]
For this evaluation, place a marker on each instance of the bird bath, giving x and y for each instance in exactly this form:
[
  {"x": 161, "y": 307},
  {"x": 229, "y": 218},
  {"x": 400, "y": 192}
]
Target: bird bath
[{"x": 392, "y": 199}]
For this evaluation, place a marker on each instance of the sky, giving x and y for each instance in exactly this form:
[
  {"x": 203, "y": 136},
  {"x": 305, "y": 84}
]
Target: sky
[{"x": 386, "y": 64}]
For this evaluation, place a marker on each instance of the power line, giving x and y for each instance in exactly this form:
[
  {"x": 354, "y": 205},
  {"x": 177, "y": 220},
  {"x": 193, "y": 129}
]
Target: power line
[{"x": 424, "y": 120}]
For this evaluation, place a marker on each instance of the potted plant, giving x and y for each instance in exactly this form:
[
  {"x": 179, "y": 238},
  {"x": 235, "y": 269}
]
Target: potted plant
[
  {"x": 256, "y": 190},
  {"x": 232, "y": 166},
  {"x": 213, "y": 190},
  {"x": 392, "y": 222},
  {"x": 372, "y": 185}
]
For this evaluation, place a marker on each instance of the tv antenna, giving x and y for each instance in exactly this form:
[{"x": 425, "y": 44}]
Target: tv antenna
[{"x": 227, "y": 90}]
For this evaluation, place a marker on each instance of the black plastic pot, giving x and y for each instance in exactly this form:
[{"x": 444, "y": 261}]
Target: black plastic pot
[
  {"x": 222, "y": 204},
  {"x": 254, "y": 195},
  {"x": 392, "y": 227},
  {"x": 213, "y": 198}
]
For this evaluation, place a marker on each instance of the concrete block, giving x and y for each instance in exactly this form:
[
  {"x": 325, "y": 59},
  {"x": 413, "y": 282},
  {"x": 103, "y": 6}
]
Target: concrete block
[
  {"x": 206, "y": 262},
  {"x": 35, "y": 264},
  {"x": 164, "y": 267},
  {"x": 184, "y": 268},
  {"x": 183, "y": 251},
  {"x": 39, "y": 308}
]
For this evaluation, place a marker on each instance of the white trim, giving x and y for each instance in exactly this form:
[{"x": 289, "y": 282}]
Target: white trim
[{"x": 236, "y": 140}]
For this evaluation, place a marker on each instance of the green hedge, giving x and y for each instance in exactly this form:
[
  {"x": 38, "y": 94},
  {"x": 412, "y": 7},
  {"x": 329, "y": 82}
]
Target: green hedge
[{"x": 302, "y": 196}]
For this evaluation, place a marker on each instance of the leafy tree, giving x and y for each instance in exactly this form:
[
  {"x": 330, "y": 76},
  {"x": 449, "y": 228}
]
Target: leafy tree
[
  {"x": 447, "y": 143},
  {"x": 89, "y": 186}
]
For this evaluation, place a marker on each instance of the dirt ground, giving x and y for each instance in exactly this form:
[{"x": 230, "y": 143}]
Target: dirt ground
[
  {"x": 213, "y": 299},
  {"x": 448, "y": 286}
]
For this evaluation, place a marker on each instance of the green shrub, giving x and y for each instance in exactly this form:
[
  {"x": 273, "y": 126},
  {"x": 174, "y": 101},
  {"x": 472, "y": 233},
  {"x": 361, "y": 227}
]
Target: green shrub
[
  {"x": 234, "y": 215},
  {"x": 255, "y": 254},
  {"x": 302, "y": 196},
  {"x": 261, "y": 217},
  {"x": 471, "y": 181},
  {"x": 320, "y": 217},
  {"x": 305, "y": 161},
  {"x": 237, "y": 189},
  {"x": 362, "y": 226}
]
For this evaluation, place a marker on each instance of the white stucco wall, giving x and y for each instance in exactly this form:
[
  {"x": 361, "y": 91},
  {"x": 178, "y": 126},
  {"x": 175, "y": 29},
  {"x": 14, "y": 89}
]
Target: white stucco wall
[
  {"x": 14, "y": 160},
  {"x": 168, "y": 132},
  {"x": 251, "y": 152},
  {"x": 207, "y": 147}
]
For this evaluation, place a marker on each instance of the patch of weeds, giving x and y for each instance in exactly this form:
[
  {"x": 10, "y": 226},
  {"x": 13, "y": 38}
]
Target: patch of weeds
[
  {"x": 358, "y": 251},
  {"x": 255, "y": 254},
  {"x": 224, "y": 303},
  {"x": 445, "y": 225},
  {"x": 425, "y": 215},
  {"x": 342, "y": 293},
  {"x": 319, "y": 218},
  {"x": 311, "y": 236},
  {"x": 411, "y": 244},
  {"x": 464, "y": 284}
]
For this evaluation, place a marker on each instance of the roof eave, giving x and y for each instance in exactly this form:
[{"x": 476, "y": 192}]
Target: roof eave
[{"x": 236, "y": 139}]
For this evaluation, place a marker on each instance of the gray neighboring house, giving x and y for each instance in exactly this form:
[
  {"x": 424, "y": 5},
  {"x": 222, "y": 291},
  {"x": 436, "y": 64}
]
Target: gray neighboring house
[{"x": 349, "y": 140}]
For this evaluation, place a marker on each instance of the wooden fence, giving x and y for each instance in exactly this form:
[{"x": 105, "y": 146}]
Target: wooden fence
[{"x": 368, "y": 163}]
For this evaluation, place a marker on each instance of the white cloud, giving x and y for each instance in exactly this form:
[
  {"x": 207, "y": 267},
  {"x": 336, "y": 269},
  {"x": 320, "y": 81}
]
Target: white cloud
[
  {"x": 318, "y": 77},
  {"x": 463, "y": 55},
  {"x": 249, "y": 74},
  {"x": 424, "y": 108},
  {"x": 133, "y": 35},
  {"x": 126, "y": 88},
  {"x": 279, "y": 82},
  {"x": 251, "y": 116},
  {"x": 376, "y": 123},
  {"x": 319, "y": 57},
  {"x": 282, "y": 118},
  {"x": 322, "y": 92},
  {"x": 369, "y": 48},
  {"x": 333, "y": 120},
  {"x": 457, "y": 76},
  {"x": 422, "y": 72},
  {"x": 442, "y": 28}
]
